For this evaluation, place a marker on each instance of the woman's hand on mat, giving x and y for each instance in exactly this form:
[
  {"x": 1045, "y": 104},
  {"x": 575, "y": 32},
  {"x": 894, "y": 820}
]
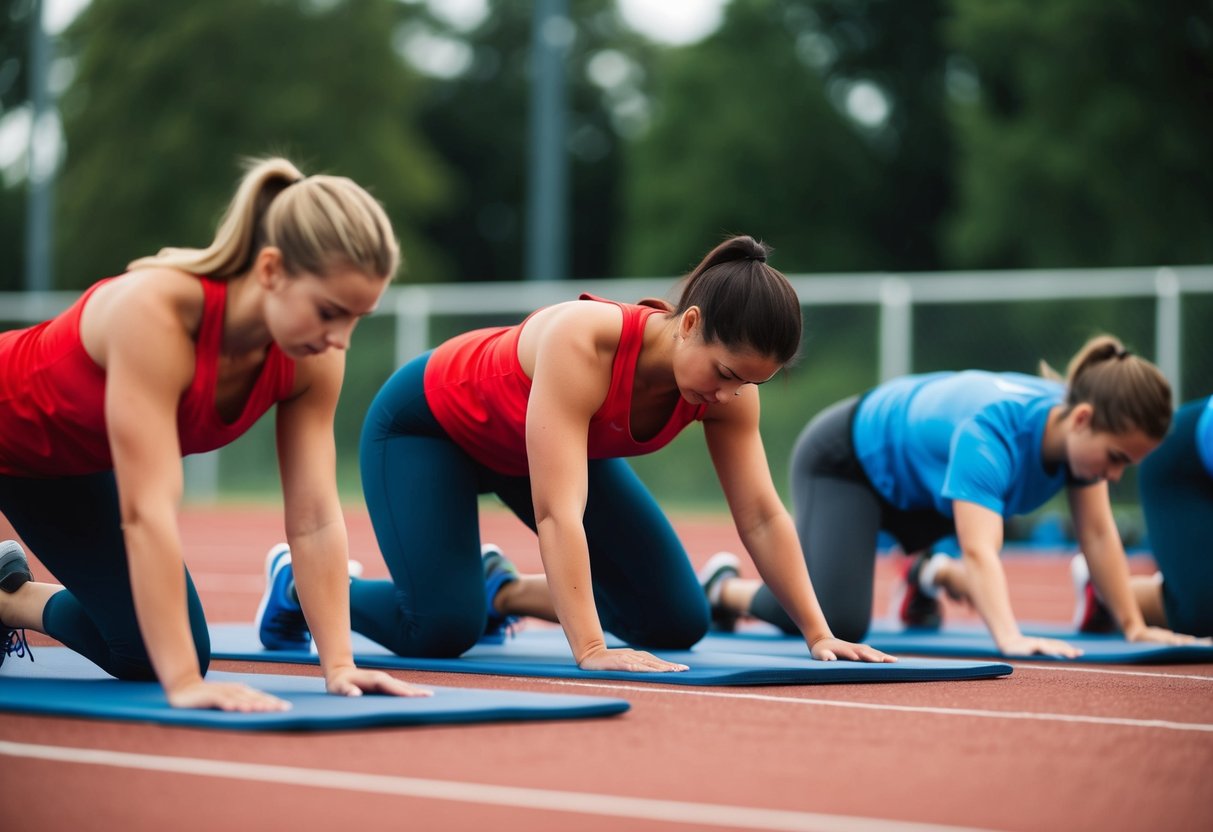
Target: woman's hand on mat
[
  {"x": 831, "y": 649},
  {"x": 1022, "y": 645},
  {"x": 1161, "y": 635},
  {"x": 353, "y": 681},
  {"x": 633, "y": 661},
  {"x": 225, "y": 696}
]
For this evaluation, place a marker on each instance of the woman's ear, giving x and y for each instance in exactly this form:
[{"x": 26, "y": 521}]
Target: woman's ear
[
  {"x": 267, "y": 267},
  {"x": 689, "y": 321},
  {"x": 1082, "y": 415}
]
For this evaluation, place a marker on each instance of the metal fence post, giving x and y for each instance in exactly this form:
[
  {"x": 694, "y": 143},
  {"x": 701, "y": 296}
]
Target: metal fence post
[
  {"x": 896, "y": 328},
  {"x": 1167, "y": 329}
]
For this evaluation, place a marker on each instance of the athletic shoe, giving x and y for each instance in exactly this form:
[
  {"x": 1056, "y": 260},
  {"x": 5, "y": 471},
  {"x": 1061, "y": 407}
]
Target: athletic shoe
[
  {"x": 720, "y": 567},
  {"x": 13, "y": 643},
  {"x": 14, "y": 568},
  {"x": 280, "y": 622},
  {"x": 914, "y": 606},
  {"x": 1090, "y": 614},
  {"x": 498, "y": 571}
]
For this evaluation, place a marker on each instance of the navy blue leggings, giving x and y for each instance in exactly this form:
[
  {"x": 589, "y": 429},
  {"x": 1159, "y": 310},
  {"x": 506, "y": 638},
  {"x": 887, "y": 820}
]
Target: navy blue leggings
[
  {"x": 422, "y": 492},
  {"x": 1177, "y": 499},
  {"x": 73, "y": 526}
]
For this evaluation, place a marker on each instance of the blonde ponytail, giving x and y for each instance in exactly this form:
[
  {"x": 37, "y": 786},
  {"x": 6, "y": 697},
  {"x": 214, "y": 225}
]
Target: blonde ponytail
[{"x": 317, "y": 222}]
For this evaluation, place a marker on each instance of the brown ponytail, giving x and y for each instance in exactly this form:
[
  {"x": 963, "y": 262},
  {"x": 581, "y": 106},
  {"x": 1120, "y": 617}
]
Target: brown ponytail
[
  {"x": 1125, "y": 391},
  {"x": 745, "y": 303}
]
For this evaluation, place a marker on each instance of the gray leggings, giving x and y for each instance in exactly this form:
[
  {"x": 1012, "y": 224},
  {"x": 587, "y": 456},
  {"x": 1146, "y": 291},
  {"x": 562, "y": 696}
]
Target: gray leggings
[{"x": 838, "y": 516}]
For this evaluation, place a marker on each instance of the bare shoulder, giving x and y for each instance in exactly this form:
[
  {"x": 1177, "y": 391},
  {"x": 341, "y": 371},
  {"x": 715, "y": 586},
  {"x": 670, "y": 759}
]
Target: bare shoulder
[
  {"x": 170, "y": 291},
  {"x": 147, "y": 303},
  {"x": 578, "y": 316},
  {"x": 577, "y": 330}
]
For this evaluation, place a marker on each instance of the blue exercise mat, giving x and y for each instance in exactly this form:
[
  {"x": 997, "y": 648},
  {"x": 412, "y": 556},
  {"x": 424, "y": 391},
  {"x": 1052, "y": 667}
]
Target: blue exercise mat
[
  {"x": 60, "y": 682},
  {"x": 546, "y": 653},
  {"x": 971, "y": 641}
]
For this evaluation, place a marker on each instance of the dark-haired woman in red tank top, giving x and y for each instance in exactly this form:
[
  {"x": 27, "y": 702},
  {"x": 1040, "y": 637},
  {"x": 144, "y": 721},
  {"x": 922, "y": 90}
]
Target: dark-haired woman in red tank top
[{"x": 542, "y": 414}]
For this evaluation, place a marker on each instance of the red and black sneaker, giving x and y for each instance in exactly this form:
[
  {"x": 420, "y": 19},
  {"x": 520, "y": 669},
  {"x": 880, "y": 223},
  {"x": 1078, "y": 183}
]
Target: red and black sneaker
[
  {"x": 916, "y": 608},
  {"x": 1090, "y": 614}
]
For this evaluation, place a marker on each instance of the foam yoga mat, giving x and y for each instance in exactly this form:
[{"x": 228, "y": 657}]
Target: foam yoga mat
[
  {"x": 62, "y": 683},
  {"x": 970, "y": 641},
  {"x": 545, "y": 653}
]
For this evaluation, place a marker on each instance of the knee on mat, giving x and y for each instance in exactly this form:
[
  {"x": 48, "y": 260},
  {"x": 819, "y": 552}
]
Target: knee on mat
[
  {"x": 138, "y": 667},
  {"x": 681, "y": 634},
  {"x": 130, "y": 668},
  {"x": 850, "y": 628},
  {"x": 439, "y": 637}
]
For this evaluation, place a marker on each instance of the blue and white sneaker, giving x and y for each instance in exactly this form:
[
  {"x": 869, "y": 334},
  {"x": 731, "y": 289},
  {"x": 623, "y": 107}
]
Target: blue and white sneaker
[
  {"x": 280, "y": 622},
  {"x": 13, "y": 643},
  {"x": 498, "y": 571},
  {"x": 14, "y": 571}
]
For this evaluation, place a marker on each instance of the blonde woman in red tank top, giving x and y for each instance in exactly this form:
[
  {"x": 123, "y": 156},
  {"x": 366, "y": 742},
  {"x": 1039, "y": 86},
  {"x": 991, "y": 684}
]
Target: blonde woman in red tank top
[{"x": 181, "y": 354}]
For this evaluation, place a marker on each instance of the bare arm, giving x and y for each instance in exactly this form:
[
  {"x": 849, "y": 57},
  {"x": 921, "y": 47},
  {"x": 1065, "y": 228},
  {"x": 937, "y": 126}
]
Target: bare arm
[
  {"x": 572, "y": 370},
  {"x": 1095, "y": 526},
  {"x": 764, "y": 524},
  {"x": 315, "y": 526},
  {"x": 980, "y": 532},
  {"x": 143, "y": 341}
]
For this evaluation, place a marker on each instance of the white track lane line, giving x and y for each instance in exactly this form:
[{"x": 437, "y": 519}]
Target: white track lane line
[
  {"x": 581, "y": 803},
  {"x": 913, "y": 709},
  {"x": 1153, "y": 675}
]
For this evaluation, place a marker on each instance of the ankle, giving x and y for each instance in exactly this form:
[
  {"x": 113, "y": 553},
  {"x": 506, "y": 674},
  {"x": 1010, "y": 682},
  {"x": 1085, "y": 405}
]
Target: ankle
[{"x": 737, "y": 594}]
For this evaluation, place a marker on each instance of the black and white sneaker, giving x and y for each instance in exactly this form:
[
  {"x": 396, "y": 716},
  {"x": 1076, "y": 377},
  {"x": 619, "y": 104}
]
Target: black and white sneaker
[{"x": 720, "y": 567}]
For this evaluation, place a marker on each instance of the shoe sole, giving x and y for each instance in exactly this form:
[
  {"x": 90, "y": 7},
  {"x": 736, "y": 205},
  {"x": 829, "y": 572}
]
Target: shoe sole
[{"x": 12, "y": 557}]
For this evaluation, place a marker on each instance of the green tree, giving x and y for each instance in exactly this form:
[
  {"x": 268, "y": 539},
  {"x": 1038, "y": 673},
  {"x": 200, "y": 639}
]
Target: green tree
[
  {"x": 744, "y": 139},
  {"x": 897, "y": 47},
  {"x": 1086, "y": 139},
  {"x": 477, "y": 119},
  {"x": 168, "y": 97},
  {"x": 15, "y": 20}
]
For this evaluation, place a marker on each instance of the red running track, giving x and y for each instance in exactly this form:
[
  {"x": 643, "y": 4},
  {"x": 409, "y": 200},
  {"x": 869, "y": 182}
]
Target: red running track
[{"x": 1052, "y": 747}]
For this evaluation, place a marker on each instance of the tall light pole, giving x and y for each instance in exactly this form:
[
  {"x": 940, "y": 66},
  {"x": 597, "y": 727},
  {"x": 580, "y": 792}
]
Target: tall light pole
[{"x": 547, "y": 195}]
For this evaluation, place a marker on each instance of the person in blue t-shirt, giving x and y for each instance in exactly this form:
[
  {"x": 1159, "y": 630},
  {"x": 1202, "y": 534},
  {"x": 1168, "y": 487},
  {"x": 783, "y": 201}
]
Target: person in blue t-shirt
[
  {"x": 926, "y": 456},
  {"x": 1176, "y": 486}
]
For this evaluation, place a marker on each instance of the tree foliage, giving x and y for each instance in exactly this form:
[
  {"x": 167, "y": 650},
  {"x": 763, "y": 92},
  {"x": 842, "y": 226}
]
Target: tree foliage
[
  {"x": 745, "y": 140},
  {"x": 168, "y": 97},
  {"x": 15, "y": 21},
  {"x": 478, "y": 119},
  {"x": 1087, "y": 142}
]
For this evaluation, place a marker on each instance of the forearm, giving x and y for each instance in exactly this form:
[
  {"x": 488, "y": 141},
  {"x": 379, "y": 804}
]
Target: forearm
[
  {"x": 987, "y": 586},
  {"x": 1109, "y": 570},
  {"x": 157, "y": 572},
  {"x": 320, "y": 559},
  {"x": 566, "y": 562}
]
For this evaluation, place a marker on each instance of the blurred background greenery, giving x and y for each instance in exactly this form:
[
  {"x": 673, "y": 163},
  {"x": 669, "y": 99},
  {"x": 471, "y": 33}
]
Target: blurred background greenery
[{"x": 852, "y": 135}]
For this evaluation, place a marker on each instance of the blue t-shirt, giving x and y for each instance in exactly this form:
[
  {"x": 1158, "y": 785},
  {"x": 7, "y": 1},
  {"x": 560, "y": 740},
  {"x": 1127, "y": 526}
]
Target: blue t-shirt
[
  {"x": 1204, "y": 436},
  {"x": 927, "y": 440}
]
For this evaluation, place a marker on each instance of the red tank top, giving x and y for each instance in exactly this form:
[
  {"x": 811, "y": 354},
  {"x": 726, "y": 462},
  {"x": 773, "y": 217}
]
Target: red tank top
[
  {"x": 52, "y": 394},
  {"x": 478, "y": 392}
]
